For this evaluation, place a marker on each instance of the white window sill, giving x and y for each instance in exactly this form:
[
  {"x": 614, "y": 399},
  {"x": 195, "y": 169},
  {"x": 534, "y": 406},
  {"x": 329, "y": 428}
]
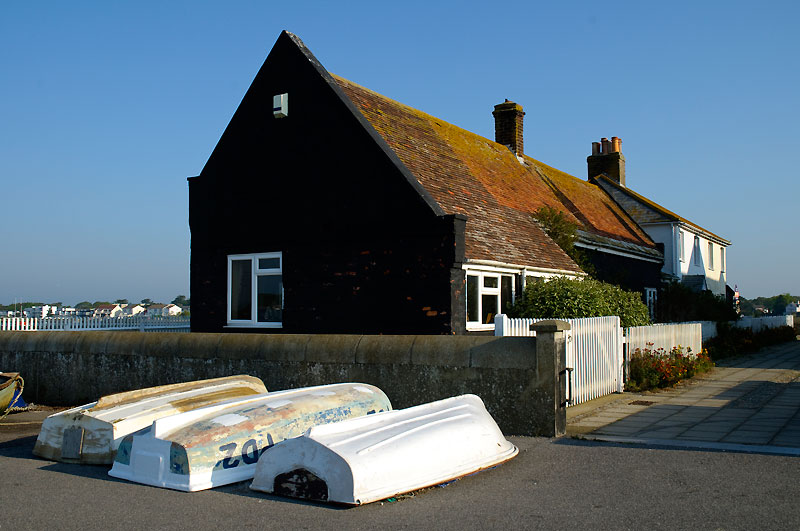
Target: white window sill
[
  {"x": 474, "y": 327},
  {"x": 254, "y": 325}
]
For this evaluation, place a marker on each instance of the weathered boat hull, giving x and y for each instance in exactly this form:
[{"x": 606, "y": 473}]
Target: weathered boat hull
[
  {"x": 221, "y": 444},
  {"x": 367, "y": 459},
  {"x": 90, "y": 434},
  {"x": 10, "y": 385}
]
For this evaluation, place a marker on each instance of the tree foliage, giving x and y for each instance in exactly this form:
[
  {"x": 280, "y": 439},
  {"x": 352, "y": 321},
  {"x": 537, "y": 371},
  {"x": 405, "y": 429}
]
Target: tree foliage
[
  {"x": 565, "y": 233},
  {"x": 181, "y": 300},
  {"x": 748, "y": 306},
  {"x": 20, "y": 306},
  {"x": 567, "y": 298}
]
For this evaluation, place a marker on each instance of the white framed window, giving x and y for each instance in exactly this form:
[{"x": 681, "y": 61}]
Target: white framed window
[
  {"x": 651, "y": 297},
  {"x": 722, "y": 259},
  {"x": 488, "y": 293},
  {"x": 681, "y": 248},
  {"x": 710, "y": 255},
  {"x": 255, "y": 290},
  {"x": 696, "y": 250}
]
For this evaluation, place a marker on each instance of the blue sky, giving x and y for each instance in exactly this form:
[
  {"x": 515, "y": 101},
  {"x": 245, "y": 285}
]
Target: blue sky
[{"x": 107, "y": 108}]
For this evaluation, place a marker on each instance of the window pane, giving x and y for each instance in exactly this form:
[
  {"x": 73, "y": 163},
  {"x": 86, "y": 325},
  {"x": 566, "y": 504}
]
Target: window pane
[
  {"x": 472, "y": 298},
  {"x": 270, "y": 298},
  {"x": 506, "y": 293},
  {"x": 489, "y": 282},
  {"x": 488, "y": 308},
  {"x": 269, "y": 263},
  {"x": 241, "y": 289}
]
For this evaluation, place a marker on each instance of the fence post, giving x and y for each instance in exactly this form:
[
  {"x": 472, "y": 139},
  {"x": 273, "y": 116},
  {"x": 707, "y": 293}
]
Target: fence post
[
  {"x": 500, "y": 324},
  {"x": 551, "y": 364}
]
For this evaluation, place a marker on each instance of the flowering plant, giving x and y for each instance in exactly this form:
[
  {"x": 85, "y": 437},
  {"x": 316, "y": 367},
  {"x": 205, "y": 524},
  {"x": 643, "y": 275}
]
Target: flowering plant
[{"x": 650, "y": 369}]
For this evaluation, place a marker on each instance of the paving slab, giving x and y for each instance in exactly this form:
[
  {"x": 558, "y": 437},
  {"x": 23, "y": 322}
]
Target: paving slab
[{"x": 751, "y": 402}]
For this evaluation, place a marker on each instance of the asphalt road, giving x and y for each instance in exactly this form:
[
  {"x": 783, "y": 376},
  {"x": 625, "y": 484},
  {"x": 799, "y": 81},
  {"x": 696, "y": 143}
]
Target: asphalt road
[{"x": 551, "y": 484}]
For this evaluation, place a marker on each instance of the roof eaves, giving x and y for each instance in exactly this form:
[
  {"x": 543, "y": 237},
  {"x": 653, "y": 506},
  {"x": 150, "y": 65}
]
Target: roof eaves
[{"x": 617, "y": 246}]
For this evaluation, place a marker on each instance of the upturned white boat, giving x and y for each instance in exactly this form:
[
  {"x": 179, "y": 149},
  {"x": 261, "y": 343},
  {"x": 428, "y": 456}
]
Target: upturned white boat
[
  {"x": 371, "y": 458},
  {"x": 90, "y": 434},
  {"x": 221, "y": 444}
]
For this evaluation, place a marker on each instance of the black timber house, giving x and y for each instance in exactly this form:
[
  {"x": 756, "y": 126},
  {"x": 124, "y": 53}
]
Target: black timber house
[{"x": 328, "y": 208}]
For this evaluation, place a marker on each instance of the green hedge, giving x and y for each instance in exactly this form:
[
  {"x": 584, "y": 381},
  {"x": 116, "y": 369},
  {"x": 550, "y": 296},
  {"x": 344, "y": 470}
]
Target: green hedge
[{"x": 567, "y": 298}]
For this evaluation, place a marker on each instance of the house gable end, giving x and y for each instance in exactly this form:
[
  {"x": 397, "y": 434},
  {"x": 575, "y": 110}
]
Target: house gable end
[{"x": 323, "y": 144}]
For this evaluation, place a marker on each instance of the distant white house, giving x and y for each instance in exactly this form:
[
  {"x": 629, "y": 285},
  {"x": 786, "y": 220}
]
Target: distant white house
[
  {"x": 108, "y": 310},
  {"x": 129, "y": 310},
  {"x": 163, "y": 310},
  {"x": 37, "y": 312},
  {"x": 792, "y": 308},
  {"x": 693, "y": 255}
]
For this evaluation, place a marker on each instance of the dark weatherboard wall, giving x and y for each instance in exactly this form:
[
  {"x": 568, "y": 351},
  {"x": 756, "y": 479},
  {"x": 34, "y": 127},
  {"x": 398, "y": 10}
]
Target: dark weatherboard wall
[{"x": 365, "y": 249}]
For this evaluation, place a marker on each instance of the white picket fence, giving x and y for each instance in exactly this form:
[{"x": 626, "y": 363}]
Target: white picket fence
[
  {"x": 594, "y": 354},
  {"x": 665, "y": 336},
  {"x": 756, "y": 324},
  {"x": 142, "y": 324},
  {"x": 596, "y": 346}
]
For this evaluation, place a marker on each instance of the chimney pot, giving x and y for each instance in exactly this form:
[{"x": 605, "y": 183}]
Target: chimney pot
[{"x": 607, "y": 159}]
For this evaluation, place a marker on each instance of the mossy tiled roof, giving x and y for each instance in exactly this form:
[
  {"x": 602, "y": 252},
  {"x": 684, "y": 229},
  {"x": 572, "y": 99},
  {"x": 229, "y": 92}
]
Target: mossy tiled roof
[
  {"x": 649, "y": 211},
  {"x": 468, "y": 174}
]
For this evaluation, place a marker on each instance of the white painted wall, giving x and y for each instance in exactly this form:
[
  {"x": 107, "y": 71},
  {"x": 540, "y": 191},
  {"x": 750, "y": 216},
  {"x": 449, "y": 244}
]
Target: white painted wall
[{"x": 696, "y": 261}]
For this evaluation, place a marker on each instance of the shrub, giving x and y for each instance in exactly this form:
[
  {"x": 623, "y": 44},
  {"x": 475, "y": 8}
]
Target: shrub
[
  {"x": 651, "y": 369},
  {"x": 565, "y": 233},
  {"x": 734, "y": 341},
  {"x": 567, "y": 298}
]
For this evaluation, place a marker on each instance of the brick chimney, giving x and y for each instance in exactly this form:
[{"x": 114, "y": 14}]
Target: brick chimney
[
  {"x": 606, "y": 158},
  {"x": 508, "y": 118}
]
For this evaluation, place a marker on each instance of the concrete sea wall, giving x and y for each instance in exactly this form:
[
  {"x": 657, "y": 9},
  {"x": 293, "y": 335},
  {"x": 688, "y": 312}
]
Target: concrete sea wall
[{"x": 520, "y": 379}]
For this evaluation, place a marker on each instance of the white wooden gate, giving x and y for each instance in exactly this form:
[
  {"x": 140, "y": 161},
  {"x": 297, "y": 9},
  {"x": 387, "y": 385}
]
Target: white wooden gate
[{"x": 594, "y": 353}]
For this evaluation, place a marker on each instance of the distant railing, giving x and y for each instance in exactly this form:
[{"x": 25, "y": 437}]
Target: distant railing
[{"x": 142, "y": 324}]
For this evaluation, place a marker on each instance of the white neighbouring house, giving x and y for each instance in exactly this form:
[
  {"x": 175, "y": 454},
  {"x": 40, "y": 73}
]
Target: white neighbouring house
[
  {"x": 692, "y": 255},
  {"x": 38, "y": 312},
  {"x": 129, "y": 310},
  {"x": 108, "y": 310},
  {"x": 792, "y": 308},
  {"x": 163, "y": 310}
]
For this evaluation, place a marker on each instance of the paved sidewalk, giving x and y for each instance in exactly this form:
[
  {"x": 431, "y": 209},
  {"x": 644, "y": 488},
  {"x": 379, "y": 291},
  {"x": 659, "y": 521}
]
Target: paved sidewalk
[{"x": 746, "y": 404}]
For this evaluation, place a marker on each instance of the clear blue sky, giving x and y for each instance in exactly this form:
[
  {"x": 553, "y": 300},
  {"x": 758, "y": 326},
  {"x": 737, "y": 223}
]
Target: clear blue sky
[{"x": 107, "y": 108}]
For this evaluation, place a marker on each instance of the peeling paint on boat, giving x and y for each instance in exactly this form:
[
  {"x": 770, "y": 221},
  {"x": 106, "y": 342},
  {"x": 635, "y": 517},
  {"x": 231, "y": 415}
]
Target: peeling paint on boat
[
  {"x": 194, "y": 451},
  {"x": 10, "y": 383},
  {"x": 90, "y": 434}
]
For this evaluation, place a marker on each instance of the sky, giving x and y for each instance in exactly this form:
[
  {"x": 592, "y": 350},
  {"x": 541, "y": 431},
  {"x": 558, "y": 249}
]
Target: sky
[{"x": 107, "y": 107}]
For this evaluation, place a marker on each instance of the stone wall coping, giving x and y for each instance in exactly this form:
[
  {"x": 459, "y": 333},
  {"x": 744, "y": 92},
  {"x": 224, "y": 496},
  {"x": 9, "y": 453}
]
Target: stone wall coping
[{"x": 450, "y": 351}]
